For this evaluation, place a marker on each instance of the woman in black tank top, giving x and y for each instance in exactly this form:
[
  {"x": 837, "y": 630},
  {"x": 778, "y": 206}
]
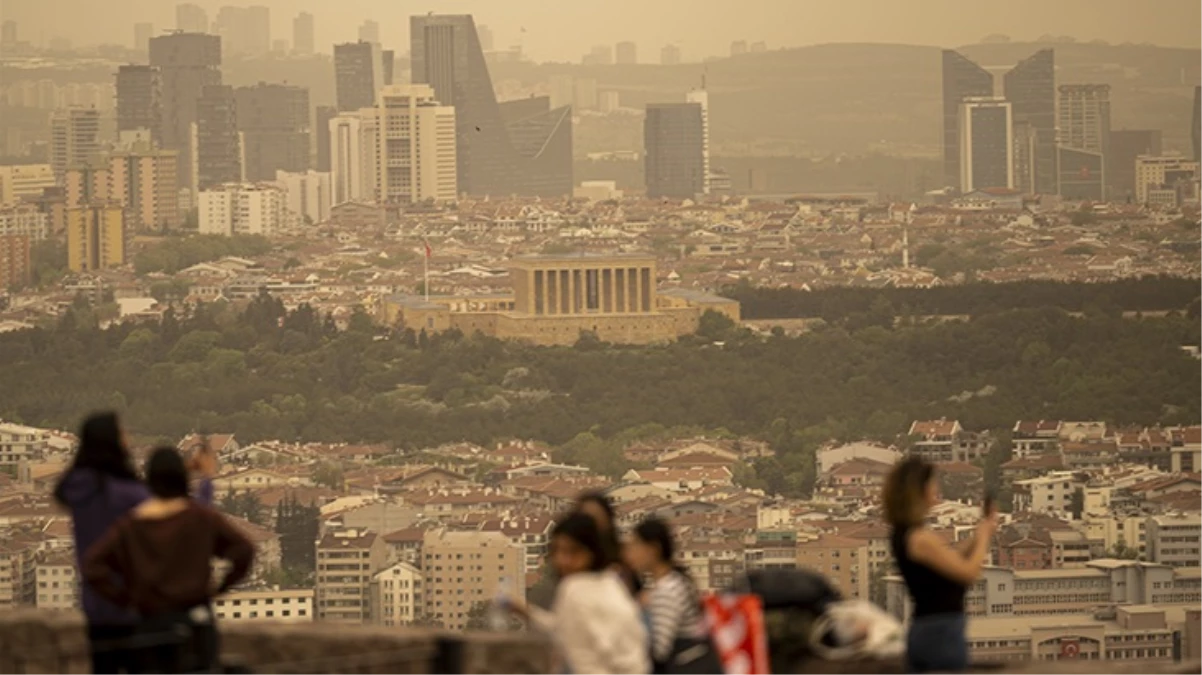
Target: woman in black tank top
[{"x": 936, "y": 574}]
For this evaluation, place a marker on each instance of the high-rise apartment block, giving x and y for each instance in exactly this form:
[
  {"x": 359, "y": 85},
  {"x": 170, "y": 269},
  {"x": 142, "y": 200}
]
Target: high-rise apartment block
[
  {"x": 95, "y": 237},
  {"x": 144, "y": 182},
  {"x": 16, "y": 259},
  {"x": 244, "y": 31},
  {"x": 21, "y": 182},
  {"x": 398, "y": 595},
  {"x": 1166, "y": 181},
  {"x": 464, "y": 569},
  {"x": 191, "y": 18},
  {"x": 140, "y": 99},
  {"x": 627, "y": 53},
  {"x": 274, "y": 122},
  {"x": 241, "y": 208},
  {"x": 217, "y": 146},
  {"x": 188, "y": 62},
  {"x": 142, "y": 34},
  {"x": 1125, "y": 146},
  {"x": 415, "y": 157},
  {"x": 358, "y": 74},
  {"x": 986, "y": 144},
  {"x": 74, "y": 138},
  {"x": 512, "y": 148},
  {"x": 674, "y": 150},
  {"x": 324, "y": 114},
  {"x": 307, "y": 195},
  {"x": 302, "y": 34},
  {"x": 347, "y": 561}
]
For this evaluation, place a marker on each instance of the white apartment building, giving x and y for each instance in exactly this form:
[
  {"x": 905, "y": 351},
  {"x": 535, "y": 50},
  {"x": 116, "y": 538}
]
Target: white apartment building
[
  {"x": 1152, "y": 172},
  {"x": 24, "y": 221},
  {"x": 1175, "y": 541},
  {"x": 18, "y": 575},
  {"x": 415, "y": 151},
  {"x": 20, "y": 443},
  {"x": 397, "y": 595},
  {"x": 306, "y": 194},
  {"x": 1052, "y": 493},
  {"x": 24, "y": 181},
  {"x": 284, "y": 605},
  {"x": 57, "y": 582},
  {"x": 74, "y": 137},
  {"x": 464, "y": 569},
  {"x": 241, "y": 208}
]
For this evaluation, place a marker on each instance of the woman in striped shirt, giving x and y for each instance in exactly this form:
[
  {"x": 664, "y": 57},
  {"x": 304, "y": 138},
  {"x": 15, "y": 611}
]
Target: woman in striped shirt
[{"x": 679, "y": 639}]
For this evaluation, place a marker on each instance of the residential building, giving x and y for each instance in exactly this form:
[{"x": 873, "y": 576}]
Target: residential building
[
  {"x": 273, "y": 120},
  {"x": 415, "y": 146},
  {"x": 96, "y": 237},
  {"x": 18, "y": 573},
  {"x": 323, "y": 115},
  {"x": 302, "y": 34},
  {"x": 841, "y": 560},
  {"x": 140, "y": 99},
  {"x": 1126, "y": 145},
  {"x": 1035, "y": 437},
  {"x": 57, "y": 582},
  {"x": 16, "y": 260},
  {"x": 188, "y": 62},
  {"x": 397, "y": 595},
  {"x": 358, "y": 74},
  {"x": 674, "y": 149},
  {"x": 24, "y": 220},
  {"x": 74, "y": 138},
  {"x": 1030, "y": 87},
  {"x": 961, "y": 79},
  {"x": 307, "y": 195},
  {"x": 1051, "y": 493},
  {"x": 942, "y": 441},
  {"x": 144, "y": 182},
  {"x": 24, "y": 181},
  {"x": 1195, "y": 131},
  {"x": 275, "y": 604},
  {"x": 464, "y": 569},
  {"x": 241, "y": 208},
  {"x": 347, "y": 561},
  {"x": 1142, "y": 635},
  {"x": 190, "y": 18},
  {"x": 1186, "y": 450},
  {"x": 21, "y": 443},
  {"x": 520, "y": 147},
  {"x": 216, "y": 140},
  {"x": 627, "y": 53},
  {"x": 1172, "y": 172},
  {"x": 986, "y": 144},
  {"x": 1175, "y": 541},
  {"x": 669, "y": 55}
]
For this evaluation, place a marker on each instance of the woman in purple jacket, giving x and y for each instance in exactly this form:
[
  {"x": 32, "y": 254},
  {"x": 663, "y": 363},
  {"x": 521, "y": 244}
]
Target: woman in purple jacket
[{"x": 98, "y": 489}]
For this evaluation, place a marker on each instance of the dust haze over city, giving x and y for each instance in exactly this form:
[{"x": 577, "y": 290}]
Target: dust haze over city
[{"x": 701, "y": 312}]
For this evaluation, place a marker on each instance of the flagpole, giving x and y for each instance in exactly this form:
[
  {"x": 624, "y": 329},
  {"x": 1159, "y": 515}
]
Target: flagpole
[{"x": 426, "y": 270}]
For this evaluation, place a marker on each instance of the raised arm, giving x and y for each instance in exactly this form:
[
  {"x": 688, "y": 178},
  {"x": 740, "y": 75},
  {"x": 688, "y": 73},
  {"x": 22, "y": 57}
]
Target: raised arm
[{"x": 927, "y": 548}]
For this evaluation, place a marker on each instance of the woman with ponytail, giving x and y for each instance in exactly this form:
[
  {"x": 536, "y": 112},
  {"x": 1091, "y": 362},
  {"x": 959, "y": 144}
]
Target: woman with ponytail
[{"x": 679, "y": 639}]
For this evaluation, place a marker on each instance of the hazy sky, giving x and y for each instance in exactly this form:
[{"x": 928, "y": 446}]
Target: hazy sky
[{"x": 564, "y": 29}]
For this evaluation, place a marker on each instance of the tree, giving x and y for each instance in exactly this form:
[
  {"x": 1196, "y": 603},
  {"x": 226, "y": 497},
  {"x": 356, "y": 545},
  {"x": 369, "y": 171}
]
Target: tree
[
  {"x": 329, "y": 474},
  {"x": 1122, "y": 551},
  {"x": 298, "y": 527},
  {"x": 1077, "y": 503},
  {"x": 244, "y": 504}
]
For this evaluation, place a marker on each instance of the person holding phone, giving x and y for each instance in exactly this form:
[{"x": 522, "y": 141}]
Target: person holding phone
[{"x": 936, "y": 575}]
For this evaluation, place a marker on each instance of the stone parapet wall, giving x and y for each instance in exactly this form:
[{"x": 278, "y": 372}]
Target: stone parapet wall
[{"x": 55, "y": 642}]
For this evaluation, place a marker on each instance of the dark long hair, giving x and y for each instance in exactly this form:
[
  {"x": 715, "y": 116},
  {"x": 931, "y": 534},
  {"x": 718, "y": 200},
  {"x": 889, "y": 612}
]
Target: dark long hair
[
  {"x": 609, "y": 535},
  {"x": 582, "y": 529},
  {"x": 658, "y": 534},
  {"x": 100, "y": 450},
  {"x": 904, "y": 493},
  {"x": 166, "y": 474}
]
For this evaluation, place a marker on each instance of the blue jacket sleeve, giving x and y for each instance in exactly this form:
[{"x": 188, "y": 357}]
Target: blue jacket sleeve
[{"x": 204, "y": 492}]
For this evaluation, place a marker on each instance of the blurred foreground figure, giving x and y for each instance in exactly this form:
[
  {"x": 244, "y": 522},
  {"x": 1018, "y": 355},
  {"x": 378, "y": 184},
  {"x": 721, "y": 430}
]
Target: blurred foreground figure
[{"x": 156, "y": 561}]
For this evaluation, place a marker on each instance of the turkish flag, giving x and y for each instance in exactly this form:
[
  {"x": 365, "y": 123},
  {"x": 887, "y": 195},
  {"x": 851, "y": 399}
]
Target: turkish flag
[
  {"x": 1070, "y": 649},
  {"x": 737, "y": 626}
]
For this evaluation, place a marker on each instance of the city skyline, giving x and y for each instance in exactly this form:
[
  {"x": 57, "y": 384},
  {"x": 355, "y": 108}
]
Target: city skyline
[{"x": 543, "y": 37}]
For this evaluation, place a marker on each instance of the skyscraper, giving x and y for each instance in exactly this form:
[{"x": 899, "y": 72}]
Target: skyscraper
[
  {"x": 369, "y": 32},
  {"x": 986, "y": 144},
  {"x": 347, "y": 161},
  {"x": 244, "y": 31},
  {"x": 1030, "y": 87},
  {"x": 95, "y": 237},
  {"x": 274, "y": 123},
  {"x": 387, "y": 65},
  {"x": 358, "y": 75},
  {"x": 188, "y": 62},
  {"x": 142, "y": 34},
  {"x": 627, "y": 53},
  {"x": 302, "y": 34},
  {"x": 673, "y": 146},
  {"x": 143, "y": 182},
  {"x": 218, "y": 151},
  {"x": 702, "y": 98},
  {"x": 191, "y": 18},
  {"x": 1125, "y": 146},
  {"x": 1084, "y": 139},
  {"x": 74, "y": 138},
  {"x": 140, "y": 99},
  {"x": 416, "y": 159},
  {"x": 669, "y": 55},
  {"x": 961, "y": 79},
  {"x": 324, "y": 114},
  {"x": 517, "y": 147},
  {"x": 1196, "y": 131}
]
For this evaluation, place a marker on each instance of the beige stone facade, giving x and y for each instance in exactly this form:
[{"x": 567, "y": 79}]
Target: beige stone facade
[{"x": 556, "y": 298}]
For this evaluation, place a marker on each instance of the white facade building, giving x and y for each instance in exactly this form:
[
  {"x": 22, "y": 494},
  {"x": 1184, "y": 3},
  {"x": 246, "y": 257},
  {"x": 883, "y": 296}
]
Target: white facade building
[
  {"x": 415, "y": 151},
  {"x": 24, "y": 221},
  {"x": 1052, "y": 493},
  {"x": 286, "y": 605},
  {"x": 986, "y": 144},
  {"x": 307, "y": 194},
  {"x": 1152, "y": 172},
  {"x": 241, "y": 208},
  {"x": 347, "y": 162},
  {"x": 397, "y": 595},
  {"x": 20, "y": 443}
]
